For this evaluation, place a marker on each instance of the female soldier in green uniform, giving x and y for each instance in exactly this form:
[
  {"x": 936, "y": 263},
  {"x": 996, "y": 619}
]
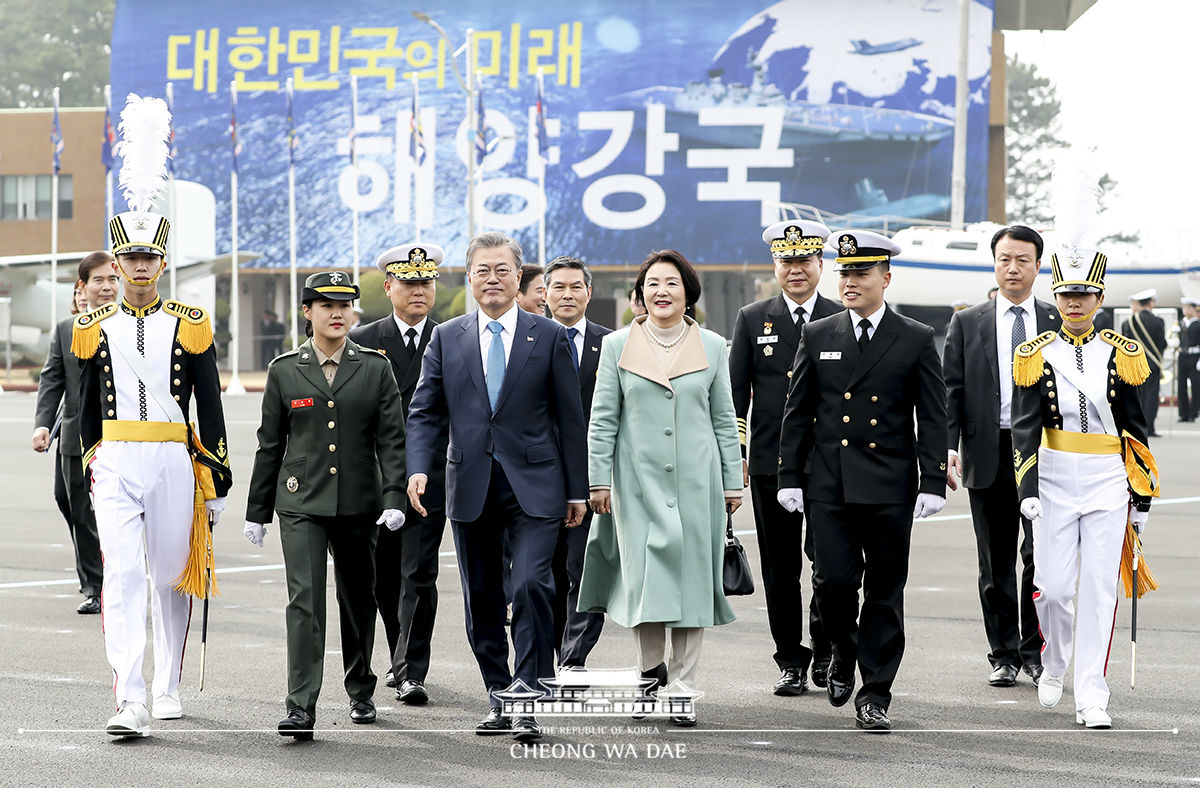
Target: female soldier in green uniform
[{"x": 330, "y": 460}]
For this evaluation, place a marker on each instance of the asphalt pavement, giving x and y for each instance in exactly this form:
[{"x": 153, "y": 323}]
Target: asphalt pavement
[{"x": 952, "y": 729}]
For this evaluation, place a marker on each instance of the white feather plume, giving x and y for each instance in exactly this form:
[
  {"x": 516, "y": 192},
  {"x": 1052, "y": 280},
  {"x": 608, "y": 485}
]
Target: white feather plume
[
  {"x": 1075, "y": 199},
  {"x": 145, "y": 130}
]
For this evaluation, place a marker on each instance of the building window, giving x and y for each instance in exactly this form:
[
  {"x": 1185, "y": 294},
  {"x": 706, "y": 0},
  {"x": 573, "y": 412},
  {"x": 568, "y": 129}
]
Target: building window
[{"x": 27, "y": 197}]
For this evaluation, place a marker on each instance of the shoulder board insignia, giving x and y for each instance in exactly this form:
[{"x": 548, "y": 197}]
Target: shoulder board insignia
[
  {"x": 85, "y": 331},
  {"x": 195, "y": 332},
  {"x": 1027, "y": 360},
  {"x": 283, "y": 356},
  {"x": 372, "y": 351},
  {"x": 1129, "y": 358}
]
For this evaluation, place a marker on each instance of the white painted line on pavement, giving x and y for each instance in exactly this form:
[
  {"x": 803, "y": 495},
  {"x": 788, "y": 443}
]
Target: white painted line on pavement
[{"x": 687, "y": 731}]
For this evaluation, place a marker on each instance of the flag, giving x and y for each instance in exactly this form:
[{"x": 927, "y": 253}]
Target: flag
[
  {"x": 416, "y": 137},
  {"x": 235, "y": 145},
  {"x": 292, "y": 139},
  {"x": 542, "y": 137},
  {"x": 171, "y": 130},
  {"x": 56, "y": 137},
  {"x": 110, "y": 134},
  {"x": 481, "y": 127}
]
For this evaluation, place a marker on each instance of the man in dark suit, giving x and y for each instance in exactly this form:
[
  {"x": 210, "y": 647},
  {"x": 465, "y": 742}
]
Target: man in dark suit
[
  {"x": 504, "y": 381},
  {"x": 850, "y": 450},
  {"x": 568, "y": 291},
  {"x": 59, "y": 383},
  {"x": 1149, "y": 329},
  {"x": 272, "y": 335},
  {"x": 979, "y": 389},
  {"x": 1187, "y": 368},
  {"x": 765, "y": 337},
  {"x": 406, "y": 561}
]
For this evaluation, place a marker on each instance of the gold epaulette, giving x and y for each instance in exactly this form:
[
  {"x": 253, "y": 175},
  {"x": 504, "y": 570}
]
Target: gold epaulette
[
  {"x": 373, "y": 351},
  {"x": 1132, "y": 366},
  {"x": 195, "y": 328},
  {"x": 85, "y": 331},
  {"x": 1027, "y": 360}
]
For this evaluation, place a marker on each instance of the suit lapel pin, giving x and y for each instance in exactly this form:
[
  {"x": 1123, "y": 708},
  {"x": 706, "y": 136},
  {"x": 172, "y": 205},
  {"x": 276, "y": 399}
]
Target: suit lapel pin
[
  {"x": 529, "y": 339},
  {"x": 595, "y": 349},
  {"x": 767, "y": 329}
]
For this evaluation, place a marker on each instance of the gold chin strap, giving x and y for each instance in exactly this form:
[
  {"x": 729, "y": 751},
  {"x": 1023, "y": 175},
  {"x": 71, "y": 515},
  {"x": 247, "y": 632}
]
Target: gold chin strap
[
  {"x": 1088, "y": 316},
  {"x": 162, "y": 266}
]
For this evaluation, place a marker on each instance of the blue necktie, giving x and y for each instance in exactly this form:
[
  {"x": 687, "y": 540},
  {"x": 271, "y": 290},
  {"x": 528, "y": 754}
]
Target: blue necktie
[
  {"x": 495, "y": 364},
  {"x": 571, "y": 334}
]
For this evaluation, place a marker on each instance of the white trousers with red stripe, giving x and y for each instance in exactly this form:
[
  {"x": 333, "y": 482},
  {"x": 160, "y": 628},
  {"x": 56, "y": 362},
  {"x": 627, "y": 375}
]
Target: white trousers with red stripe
[
  {"x": 1077, "y": 546},
  {"x": 143, "y": 497}
]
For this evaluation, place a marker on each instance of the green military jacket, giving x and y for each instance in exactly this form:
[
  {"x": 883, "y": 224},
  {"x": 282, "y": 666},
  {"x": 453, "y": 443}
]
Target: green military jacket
[{"x": 325, "y": 450}]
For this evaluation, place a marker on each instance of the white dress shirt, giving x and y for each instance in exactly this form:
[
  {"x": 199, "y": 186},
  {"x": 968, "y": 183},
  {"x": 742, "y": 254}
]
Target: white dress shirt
[
  {"x": 581, "y": 327},
  {"x": 1004, "y": 349},
  {"x": 808, "y": 305},
  {"x": 419, "y": 328},
  {"x": 509, "y": 321},
  {"x": 874, "y": 319}
]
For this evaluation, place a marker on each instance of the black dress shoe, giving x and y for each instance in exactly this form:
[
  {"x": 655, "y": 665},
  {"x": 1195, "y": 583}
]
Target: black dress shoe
[
  {"x": 298, "y": 724},
  {"x": 659, "y": 674},
  {"x": 495, "y": 722},
  {"x": 88, "y": 606},
  {"x": 1034, "y": 672},
  {"x": 526, "y": 730},
  {"x": 362, "y": 711},
  {"x": 872, "y": 717},
  {"x": 412, "y": 692},
  {"x": 1003, "y": 676},
  {"x": 390, "y": 679},
  {"x": 839, "y": 688},
  {"x": 820, "y": 672},
  {"x": 791, "y": 683}
]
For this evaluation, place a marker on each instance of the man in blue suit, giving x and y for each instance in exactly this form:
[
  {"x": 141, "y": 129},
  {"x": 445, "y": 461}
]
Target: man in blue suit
[{"x": 516, "y": 463}]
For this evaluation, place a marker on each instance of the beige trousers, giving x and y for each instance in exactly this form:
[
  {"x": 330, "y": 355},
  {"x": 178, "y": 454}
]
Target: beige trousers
[{"x": 684, "y": 659}]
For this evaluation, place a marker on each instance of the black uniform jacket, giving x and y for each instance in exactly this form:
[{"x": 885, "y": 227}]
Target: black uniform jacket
[
  {"x": 384, "y": 335},
  {"x": 325, "y": 450},
  {"x": 971, "y": 369},
  {"x": 765, "y": 339},
  {"x": 1036, "y": 407},
  {"x": 1149, "y": 329},
  {"x": 59, "y": 382},
  {"x": 194, "y": 377},
  {"x": 848, "y": 434}
]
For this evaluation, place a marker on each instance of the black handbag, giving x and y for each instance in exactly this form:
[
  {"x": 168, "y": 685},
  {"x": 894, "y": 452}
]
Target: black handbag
[{"x": 735, "y": 577}]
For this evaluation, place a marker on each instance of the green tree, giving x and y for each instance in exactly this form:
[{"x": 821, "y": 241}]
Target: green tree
[
  {"x": 1031, "y": 138},
  {"x": 54, "y": 43}
]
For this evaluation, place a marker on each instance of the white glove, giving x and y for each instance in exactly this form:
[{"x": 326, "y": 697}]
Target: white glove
[
  {"x": 1031, "y": 508},
  {"x": 255, "y": 532},
  {"x": 928, "y": 505},
  {"x": 1139, "y": 520},
  {"x": 791, "y": 498},
  {"x": 215, "y": 507},
  {"x": 392, "y": 518}
]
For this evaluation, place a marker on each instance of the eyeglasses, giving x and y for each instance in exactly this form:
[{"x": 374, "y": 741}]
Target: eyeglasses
[{"x": 500, "y": 272}]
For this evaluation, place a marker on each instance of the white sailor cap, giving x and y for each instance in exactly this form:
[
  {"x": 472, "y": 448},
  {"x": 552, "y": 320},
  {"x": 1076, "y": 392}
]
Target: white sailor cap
[
  {"x": 960, "y": 303},
  {"x": 795, "y": 238},
  {"x": 415, "y": 262},
  {"x": 858, "y": 250},
  {"x": 1144, "y": 295},
  {"x": 1190, "y": 301}
]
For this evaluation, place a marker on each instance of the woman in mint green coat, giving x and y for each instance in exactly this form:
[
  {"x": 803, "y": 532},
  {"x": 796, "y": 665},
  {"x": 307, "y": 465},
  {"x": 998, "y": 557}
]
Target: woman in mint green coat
[{"x": 664, "y": 466}]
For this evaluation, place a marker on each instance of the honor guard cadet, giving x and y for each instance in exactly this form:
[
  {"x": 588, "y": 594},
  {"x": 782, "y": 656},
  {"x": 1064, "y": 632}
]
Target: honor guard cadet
[
  {"x": 330, "y": 462},
  {"x": 1188, "y": 364},
  {"x": 765, "y": 338},
  {"x": 155, "y": 486},
  {"x": 1083, "y": 470},
  {"x": 1148, "y": 330},
  {"x": 406, "y": 561},
  {"x": 863, "y": 447}
]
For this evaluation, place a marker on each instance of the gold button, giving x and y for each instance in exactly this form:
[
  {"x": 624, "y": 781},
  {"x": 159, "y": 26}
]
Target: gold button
[
  {"x": 111, "y": 414},
  {"x": 789, "y": 373},
  {"x": 333, "y": 447},
  {"x": 177, "y": 398},
  {"x": 874, "y": 422},
  {"x": 1049, "y": 383},
  {"x": 108, "y": 383},
  {"x": 104, "y": 354},
  {"x": 845, "y": 442},
  {"x": 1053, "y": 408},
  {"x": 178, "y": 352},
  {"x": 177, "y": 367},
  {"x": 1051, "y": 395},
  {"x": 107, "y": 368},
  {"x": 331, "y": 425},
  {"x": 1112, "y": 393},
  {"x": 874, "y": 399},
  {"x": 847, "y": 395},
  {"x": 845, "y": 419},
  {"x": 872, "y": 445},
  {"x": 176, "y": 381},
  {"x": 331, "y": 403},
  {"x": 333, "y": 471},
  {"x": 110, "y": 397}
]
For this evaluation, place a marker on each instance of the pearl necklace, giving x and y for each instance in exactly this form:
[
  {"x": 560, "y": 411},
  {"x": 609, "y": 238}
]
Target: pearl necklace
[{"x": 679, "y": 338}]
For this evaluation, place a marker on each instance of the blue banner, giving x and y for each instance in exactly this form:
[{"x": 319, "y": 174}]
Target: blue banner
[{"x": 673, "y": 124}]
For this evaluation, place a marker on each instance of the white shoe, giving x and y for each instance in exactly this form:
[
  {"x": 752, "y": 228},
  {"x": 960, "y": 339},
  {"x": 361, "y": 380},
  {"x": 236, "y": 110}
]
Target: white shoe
[
  {"x": 1050, "y": 690},
  {"x": 1093, "y": 717},
  {"x": 131, "y": 719},
  {"x": 167, "y": 707}
]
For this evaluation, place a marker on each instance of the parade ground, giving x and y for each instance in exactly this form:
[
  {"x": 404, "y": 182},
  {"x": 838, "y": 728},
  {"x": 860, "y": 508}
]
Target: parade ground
[{"x": 952, "y": 729}]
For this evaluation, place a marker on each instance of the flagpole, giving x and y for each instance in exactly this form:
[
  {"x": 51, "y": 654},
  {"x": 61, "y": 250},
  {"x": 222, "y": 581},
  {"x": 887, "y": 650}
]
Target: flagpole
[
  {"x": 172, "y": 247},
  {"x": 108, "y": 173},
  {"x": 54, "y": 222},
  {"x": 292, "y": 215},
  {"x": 235, "y": 381},
  {"x": 416, "y": 168},
  {"x": 354, "y": 163},
  {"x": 541, "y": 179},
  {"x": 472, "y": 124}
]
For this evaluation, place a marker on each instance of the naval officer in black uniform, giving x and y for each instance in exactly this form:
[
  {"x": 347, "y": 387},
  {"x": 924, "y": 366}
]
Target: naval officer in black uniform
[
  {"x": 765, "y": 337},
  {"x": 850, "y": 450},
  {"x": 406, "y": 561}
]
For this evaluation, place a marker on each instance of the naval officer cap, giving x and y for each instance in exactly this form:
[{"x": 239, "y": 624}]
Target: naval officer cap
[
  {"x": 795, "y": 238},
  {"x": 417, "y": 262},
  {"x": 331, "y": 285},
  {"x": 859, "y": 250},
  {"x": 1144, "y": 295},
  {"x": 1189, "y": 301}
]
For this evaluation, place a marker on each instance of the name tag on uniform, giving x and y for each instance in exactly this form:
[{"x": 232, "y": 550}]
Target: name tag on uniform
[
  {"x": 302, "y": 403},
  {"x": 831, "y": 355},
  {"x": 768, "y": 339}
]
